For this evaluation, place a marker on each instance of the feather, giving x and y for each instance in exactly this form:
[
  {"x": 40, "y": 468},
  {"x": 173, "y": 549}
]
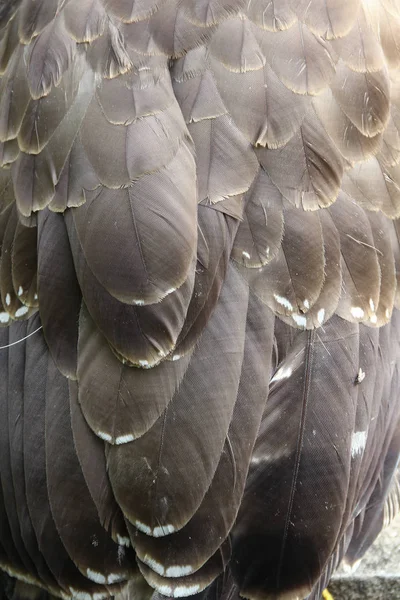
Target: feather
[
  {"x": 381, "y": 235},
  {"x": 9, "y": 391},
  {"x": 328, "y": 299},
  {"x": 360, "y": 49},
  {"x": 260, "y": 233},
  {"x": 347, "y": 138},
  {"x": 7, "y": 197},
  {"x": 381, "y": 417},
  {"x": 32, "y": 192},
  {"x": 8, "y": 42},
  {"x": 286, "y": 284},
  {"x": 212, "y": 12},
  {"x": 76, "y": 178},
  {"x": 121, "y": 402},
  {"x": 50, "y": 544},
  {"x": 43, "y": 116},
  {"x": 49, "y": 57},
  {"x": 168, "y": 32},
  {"x": 273, "y": 15},
  {"x": 263, "y": 108},
  {"x": 216, "y": 233},
  {"x": 226, "y": 163},
  {"x": 394, "y": 240},
  {"x": 367, "y": 404},
  {"x": 90, "y": 452},
  {"x": 104, "y": 561},
  {"x": 175, "y": 135},
  {"x": 392, "y": 502},
  {"x": 108, "y": 55},
  {"x": 389, "y": 154},
  {"x": 158, "y": 211},
  {"x": 136, "y": 587},
  {"x": 199, "y": 98},
  {"x": 188, "y": 549},
  {"x": 386, "y": 27},
  {"x": 7, "y": 11},
  {"x": 14, "y": 96},
  {"x": 373, "y": 185},
  {"x": 146, "y": 333},
  {"x": 284, "y": 555},
  {"x": 147, "y": 93},
  {"x": 187, "y": 585},
  {"x": 233, "y": 206},
  {"x": 24, "y": 265},
  {"x": 193, "y": 64},
  {"x": 33, "y": 17},
  {"x": 85, "y": 21},
  {"x": 308, "y": 169},
  {"x": 370, "y": 521},
  {"x": 133, "y": 10},
  {"x": 16, "y": 425},
  {"x": 59, "y": 293},
  {"x": 333, "y": 564},
  {"x": 150, "y": 476},
  {"x": 329, "y": 19},
  {"x": 391, "y": 7},
  {"x": 4, "y": 218},
  {"x": 312, "y": 69},
  {"x": 9, "y": 297},
  {"x": 235, "y": 46},
  {"x": 363, "y": 97},
  {"x": 8, "y": 554},
  {"x": 360, "y": 266},
  {"x": 9, "y": 152},
  {"x": 144, "y": 146}
]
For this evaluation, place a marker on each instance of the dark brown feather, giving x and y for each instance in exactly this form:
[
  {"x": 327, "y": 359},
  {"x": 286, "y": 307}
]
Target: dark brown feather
[
  {"x": 157, "y": 492},
  {"x": 103, "y": 561},
  {"x": 59, "y": 293}
]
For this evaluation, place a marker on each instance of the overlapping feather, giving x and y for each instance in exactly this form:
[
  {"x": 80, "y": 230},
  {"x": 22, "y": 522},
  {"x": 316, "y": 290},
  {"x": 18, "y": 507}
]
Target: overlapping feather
[{"x": 215, "y": 164}]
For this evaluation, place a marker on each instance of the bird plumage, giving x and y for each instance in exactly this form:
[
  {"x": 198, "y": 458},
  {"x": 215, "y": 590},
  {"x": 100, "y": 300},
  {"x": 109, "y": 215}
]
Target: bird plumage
[{"x": 199, "y": 300}]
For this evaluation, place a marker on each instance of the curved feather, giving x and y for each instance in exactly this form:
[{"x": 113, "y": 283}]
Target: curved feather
[
  {"x": 363, "y": 97},
  {"x": 24, "y": 264},
  {"x": 260, "y": 233},
  {"x": 104, "y": 561},
  {"x": 234, "y": 44},
  {"x": 14, "y": 96},
  {"x": 286, "y": 554},
  {"x": 328, "y": 18},
  {"x": 120, "y": 402},
  {"x": 308, "y": 169},
  {"x": 188, "y": 549},
  {"x": 50, "y": 55},
  {"x": 16, "y": 399},
  {"x": 263, "y": 108},
  {"x": 273, "y": 16},
  {"x": 373, "y": 185},
  {"x": 314, "y": 66},
  {"x": 127, "y": 255},
  {"x": 226, "y": 163},
  {"x": 9, "y": 296},
  {"x": 59, "y": 293},
  {"x": 90, "y": 452},
  {"x": 85, "y": 21},
  {"x": 361, "y": 285},
  {"x": 157, "y": 492},
  {"x": 360, "y": 48},
  {"x": 286, "y": 284}
]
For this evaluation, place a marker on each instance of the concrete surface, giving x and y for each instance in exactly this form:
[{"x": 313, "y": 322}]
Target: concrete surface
[{"x": 378, "y": 575}]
